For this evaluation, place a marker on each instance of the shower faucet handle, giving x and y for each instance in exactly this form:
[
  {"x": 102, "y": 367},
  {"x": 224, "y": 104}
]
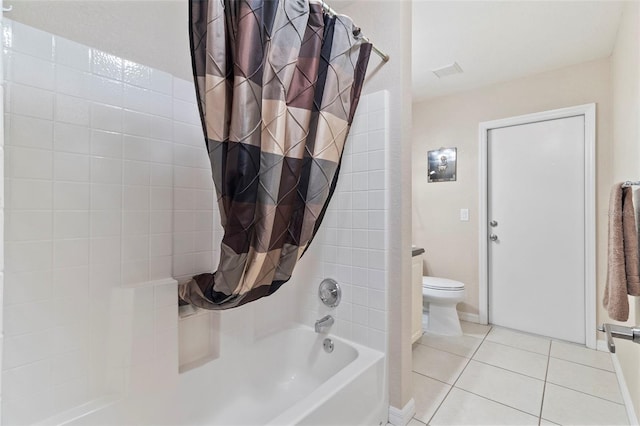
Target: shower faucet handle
[
  {"x": 620, "y": 331},
  {"x": 329, "y": 292}
]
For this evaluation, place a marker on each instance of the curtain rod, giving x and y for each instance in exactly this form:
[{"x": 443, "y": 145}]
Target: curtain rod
[{"x": 384, "y": 56}]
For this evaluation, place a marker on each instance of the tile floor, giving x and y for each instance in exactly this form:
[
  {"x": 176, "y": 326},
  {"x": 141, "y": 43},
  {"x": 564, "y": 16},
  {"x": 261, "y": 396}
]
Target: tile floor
[{"x": 496, "y": 376}]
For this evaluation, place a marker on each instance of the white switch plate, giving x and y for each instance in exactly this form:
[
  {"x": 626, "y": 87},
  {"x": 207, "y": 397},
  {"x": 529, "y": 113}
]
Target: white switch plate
[{"x": 464, "y": 215}]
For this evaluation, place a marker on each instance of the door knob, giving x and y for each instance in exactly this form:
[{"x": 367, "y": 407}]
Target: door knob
[
  {"x": 493, "y": 237},
  {"x": 493, "y": 223}
]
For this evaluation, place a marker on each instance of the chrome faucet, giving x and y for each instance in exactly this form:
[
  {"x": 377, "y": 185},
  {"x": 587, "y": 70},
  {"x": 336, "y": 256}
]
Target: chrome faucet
[{"x": 323, "y": 324}]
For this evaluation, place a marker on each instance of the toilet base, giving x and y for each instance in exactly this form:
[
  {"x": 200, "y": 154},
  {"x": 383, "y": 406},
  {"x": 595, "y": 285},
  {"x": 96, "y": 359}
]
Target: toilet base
[{"x": 443, "y": 320}]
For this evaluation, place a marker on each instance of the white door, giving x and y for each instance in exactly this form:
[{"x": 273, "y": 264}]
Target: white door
[{"x": 536, "y": 199}]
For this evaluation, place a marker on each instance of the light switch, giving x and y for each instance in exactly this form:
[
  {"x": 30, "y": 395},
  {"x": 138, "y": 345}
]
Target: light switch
[{"x": 464, "y": 215}]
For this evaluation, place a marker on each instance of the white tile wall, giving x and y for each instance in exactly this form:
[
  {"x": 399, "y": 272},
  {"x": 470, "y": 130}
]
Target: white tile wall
[
  {"x": 109, "y": 196},
  {"x": 351, "y": 246}
]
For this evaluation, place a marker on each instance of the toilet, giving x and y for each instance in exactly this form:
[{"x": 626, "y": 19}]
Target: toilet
[{"x": 442, "y": 295}]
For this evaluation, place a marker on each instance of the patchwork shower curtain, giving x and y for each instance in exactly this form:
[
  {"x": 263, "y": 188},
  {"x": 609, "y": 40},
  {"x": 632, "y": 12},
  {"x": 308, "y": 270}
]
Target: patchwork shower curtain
[{"x": 278, "y": 83}]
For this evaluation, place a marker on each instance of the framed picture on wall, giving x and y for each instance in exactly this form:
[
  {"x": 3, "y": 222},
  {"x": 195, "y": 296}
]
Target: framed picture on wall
[{"x": 442, "y": 164}]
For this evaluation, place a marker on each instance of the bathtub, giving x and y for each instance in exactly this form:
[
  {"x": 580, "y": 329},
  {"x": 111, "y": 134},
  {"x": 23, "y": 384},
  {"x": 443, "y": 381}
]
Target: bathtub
[{"x": 285, "y": 378}]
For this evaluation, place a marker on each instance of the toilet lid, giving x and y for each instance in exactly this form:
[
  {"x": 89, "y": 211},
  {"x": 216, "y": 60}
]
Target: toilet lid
[{"x": 441, "y": 283}]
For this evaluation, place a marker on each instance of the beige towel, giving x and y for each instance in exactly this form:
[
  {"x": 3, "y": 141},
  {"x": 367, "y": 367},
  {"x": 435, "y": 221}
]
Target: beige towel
[
  {"x": 631, "y": 243},
  {"x": 623, "y": 263}
]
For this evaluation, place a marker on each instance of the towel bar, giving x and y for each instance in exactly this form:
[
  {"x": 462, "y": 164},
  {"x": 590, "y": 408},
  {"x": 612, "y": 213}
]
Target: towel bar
[
  {"x": 627, "y": 333},
  {"x": 629, "y": 183}
]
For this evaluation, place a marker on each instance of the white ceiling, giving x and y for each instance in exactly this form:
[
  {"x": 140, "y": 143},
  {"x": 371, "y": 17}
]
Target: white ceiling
[{"x": 496, "y": 41}]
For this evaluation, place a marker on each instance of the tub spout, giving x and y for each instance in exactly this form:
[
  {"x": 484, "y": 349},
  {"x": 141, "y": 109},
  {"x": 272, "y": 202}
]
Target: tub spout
[{"x": 323, "y": 324}]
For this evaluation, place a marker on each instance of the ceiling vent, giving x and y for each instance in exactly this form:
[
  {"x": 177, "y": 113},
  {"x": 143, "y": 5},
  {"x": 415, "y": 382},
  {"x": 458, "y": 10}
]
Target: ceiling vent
[{"x": 452, "y": 69}]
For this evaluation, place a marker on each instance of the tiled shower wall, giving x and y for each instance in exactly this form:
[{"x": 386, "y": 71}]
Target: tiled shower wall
[
  {"x": 108, "y": 196},
  {"x": 351, "y": 245}
]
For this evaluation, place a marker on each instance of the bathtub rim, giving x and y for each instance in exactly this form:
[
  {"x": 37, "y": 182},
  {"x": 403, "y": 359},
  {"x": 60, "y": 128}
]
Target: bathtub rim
[{"x": 366, "y": 358}]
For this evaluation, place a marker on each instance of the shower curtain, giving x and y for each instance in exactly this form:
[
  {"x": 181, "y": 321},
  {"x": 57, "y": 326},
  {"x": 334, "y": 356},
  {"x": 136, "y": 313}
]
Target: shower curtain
[{"x": 278, "y": 84}]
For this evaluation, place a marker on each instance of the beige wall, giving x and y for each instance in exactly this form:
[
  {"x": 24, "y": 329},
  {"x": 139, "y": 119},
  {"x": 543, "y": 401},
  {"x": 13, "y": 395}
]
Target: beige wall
[
  {"x": 625, "y": 69},
  {"x": 152, "y": 33},
  {"x": 452, "y": 121},
  {"x": 394, "y": 37}
]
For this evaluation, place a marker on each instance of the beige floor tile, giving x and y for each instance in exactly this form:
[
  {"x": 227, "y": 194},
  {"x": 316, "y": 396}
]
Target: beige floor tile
[
  {"x": 544, "y": 422},
  {"x": 439, "y": 365},
  {"x": 519, "y": 340},
  {"x": 414, "y": 422},
  {"x": 460, "y": 345},
  {"x": 581, "y": 355},
  {"x": 514, "y": 359},
  {"x": 475, "y": 330},
  {"x": 428, "y": 394},
  {"x": 464, "y": 408},
  {"x": 567, "y": 407},
  {"x": 593, "y": 381},
  {"x": 515, "y": 390}
]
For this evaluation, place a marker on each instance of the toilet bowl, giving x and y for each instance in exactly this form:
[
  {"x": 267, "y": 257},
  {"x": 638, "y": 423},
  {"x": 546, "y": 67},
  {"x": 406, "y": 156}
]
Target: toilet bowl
[{"x": 443, "y": 295}]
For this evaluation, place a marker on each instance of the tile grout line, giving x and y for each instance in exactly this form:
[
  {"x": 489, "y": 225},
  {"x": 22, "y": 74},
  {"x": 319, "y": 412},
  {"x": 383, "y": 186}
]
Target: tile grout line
[
  {"x": 584, "y": 365},
  {"x": 549, "y": 353},
  {"x": 449, "y": 352},
  {"x": 419, "y": 421},
  {"x": 545, "y": 380},
  {"x": 549, "y": 356},
  {"x": 432, "y": 378},
  {"x": 484, "y": 397},
  {"x": 497, "y": 402},
  {"x": 517, "y": 347},
  {"x": 588, "y": 394},
  {"x": 510, "y": 371},
  {"x": 544, "y": 386},
  {"x": 460, "y": 374},
  {"x": 472, "y": 393},
  {"x": 483, "y": 363},
  {"x": 487, "y": 363}
]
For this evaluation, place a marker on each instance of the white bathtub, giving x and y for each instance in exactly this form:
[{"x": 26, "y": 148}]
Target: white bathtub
[{"x": 282, "y": 379}]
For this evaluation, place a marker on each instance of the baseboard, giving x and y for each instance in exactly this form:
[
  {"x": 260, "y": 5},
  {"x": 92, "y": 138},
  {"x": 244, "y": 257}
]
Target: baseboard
[
  {"x": 417, "y": 335},
  {"x": 466, "y": 316},
  {"x": 400, "y": 417},
  {"x": 601, "y": 345},
  {"x": 626, "y": 395}
]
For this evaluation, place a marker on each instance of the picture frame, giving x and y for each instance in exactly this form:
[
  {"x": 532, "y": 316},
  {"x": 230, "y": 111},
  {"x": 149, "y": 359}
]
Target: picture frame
[{"x": 442, "y": 165}]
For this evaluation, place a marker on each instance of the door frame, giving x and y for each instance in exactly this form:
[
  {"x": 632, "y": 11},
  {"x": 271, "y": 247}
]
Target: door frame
[{"x": 589, "y": 113}]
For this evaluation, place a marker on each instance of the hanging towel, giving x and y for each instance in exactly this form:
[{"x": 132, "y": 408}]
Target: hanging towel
[
  {"x": 631, "y": 243},
  {"x": 623, "y": 262}
]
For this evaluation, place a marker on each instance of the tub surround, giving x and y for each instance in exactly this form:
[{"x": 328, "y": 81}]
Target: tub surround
[
  {"x": 109, "y": 197},
  {"x": 353, "y": 240},
  {"x": 111, "y": 174},
  {"x": 302, "y": 385}
]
